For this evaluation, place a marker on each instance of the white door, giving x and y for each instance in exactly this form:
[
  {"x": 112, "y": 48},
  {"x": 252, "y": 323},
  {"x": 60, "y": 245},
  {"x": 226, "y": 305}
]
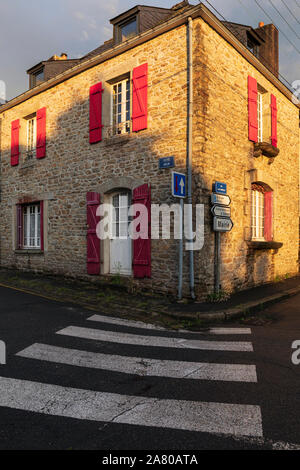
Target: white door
[{"x": 120, "y": 244}]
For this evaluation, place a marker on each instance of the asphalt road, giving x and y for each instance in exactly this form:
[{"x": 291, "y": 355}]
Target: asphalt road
[{"x": 75, "y": 382}]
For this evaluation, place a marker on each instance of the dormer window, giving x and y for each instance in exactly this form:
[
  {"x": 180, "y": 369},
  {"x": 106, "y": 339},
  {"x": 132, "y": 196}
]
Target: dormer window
[
  {"x": 37, "y": 77},
  {"x": 127, "y": 30},
  {"x": 252, "y": 44}
]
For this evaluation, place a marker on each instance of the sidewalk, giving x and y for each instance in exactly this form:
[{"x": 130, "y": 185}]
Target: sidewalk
[{"x": 113, "y": 299}]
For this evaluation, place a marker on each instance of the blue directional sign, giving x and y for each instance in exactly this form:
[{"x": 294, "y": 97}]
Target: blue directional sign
[
  {"x": 166, "y": 162},
  {"x": 178, "y": 184},
  {"x": 220, "y": 188}
]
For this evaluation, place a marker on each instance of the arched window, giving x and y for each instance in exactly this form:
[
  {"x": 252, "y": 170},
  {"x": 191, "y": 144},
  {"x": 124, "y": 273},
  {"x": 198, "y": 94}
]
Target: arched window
[{"x": 261, "y": 212}]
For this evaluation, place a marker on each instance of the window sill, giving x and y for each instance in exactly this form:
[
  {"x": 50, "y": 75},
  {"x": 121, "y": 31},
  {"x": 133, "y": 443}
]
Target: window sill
[
  {"x": 265, "y": 148},
  {"x": 263, "y": 245},
  {"x": 120, "y": 139},
  {"x": 32, "y": 251}
]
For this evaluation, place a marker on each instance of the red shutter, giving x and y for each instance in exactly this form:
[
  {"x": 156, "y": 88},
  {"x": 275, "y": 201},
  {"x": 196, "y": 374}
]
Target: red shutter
[
  {"x": 142, "y": 247},
  {"x": 268, "y": 216},
  {"x": 41, "y": 133},
  {"x": 15, "y": 151},
  {"x": 93, "y": 242},
  {"x": 96, "y": 113},
  {"x": 274, "y": 120},
  {"x": 42, "y": 224},
  {"x": 19, "y": 227},
  {"x": 139, "y": 98},
  {"x": 252, "y": 109}
]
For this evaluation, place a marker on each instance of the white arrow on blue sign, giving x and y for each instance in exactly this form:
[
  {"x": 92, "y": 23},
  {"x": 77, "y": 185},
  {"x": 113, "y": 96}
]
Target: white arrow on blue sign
[{"x": 178, "y": 184}]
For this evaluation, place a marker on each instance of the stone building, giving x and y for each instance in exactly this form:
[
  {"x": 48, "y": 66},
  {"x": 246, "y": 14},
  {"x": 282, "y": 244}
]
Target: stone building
[{"x": 93, "y": 130}]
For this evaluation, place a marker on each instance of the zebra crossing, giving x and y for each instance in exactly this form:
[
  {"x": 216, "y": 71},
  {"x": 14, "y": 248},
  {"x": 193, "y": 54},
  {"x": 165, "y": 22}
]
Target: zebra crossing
[{"x": 84, "y": 403}]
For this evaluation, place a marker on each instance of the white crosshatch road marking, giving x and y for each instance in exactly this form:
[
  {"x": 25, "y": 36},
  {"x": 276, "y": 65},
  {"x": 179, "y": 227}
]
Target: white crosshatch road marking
[
  {"x": 142, "y": 366},
  {"x": 223, "y": 418},
  {"x": 232, "y": 419},
  {"x": 154, "y": 341},
  {"x": 150, "y": 326}
]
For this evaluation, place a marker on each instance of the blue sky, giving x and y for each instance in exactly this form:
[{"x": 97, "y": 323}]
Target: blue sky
[{"x": 34, "y": 30}]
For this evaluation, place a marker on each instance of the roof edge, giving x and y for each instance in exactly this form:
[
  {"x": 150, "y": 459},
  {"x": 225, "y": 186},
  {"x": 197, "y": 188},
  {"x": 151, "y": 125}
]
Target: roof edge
[{"x": 176, "y": 21}]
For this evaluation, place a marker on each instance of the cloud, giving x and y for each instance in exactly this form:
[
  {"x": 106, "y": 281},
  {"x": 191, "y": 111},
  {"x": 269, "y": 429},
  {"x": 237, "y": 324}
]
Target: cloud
[{"x": 43, "y": 28}]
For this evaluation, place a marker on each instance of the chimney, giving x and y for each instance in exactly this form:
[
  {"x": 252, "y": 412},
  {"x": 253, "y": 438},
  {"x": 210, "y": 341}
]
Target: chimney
[{"x": 269, "y": 49}]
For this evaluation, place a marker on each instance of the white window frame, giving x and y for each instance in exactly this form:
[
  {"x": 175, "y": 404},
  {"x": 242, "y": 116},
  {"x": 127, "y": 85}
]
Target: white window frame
[
  {"x": 32, "y": 226},
  {"x": 257, "y": 215},
  {"x": 121, "y": 96},
  {"x": 260, "y": 116},
  {"x": 31, "y": 136}
]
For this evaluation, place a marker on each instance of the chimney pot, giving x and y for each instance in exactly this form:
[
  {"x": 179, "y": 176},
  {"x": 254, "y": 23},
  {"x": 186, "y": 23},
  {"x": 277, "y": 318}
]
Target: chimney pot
[{"x": 261, "y": 24}]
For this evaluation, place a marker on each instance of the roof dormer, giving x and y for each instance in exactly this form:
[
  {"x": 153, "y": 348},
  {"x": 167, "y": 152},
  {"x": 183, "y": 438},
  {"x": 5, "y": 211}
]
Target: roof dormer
[{"x": 136, "y": 20}]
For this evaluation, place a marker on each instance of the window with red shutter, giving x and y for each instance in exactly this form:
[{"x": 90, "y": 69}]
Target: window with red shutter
[
  {"x": 15, "y": 148},
  {"x": 142, "y": 247},
  {"x": 273, "y": 121},
  {"x": 41, "y": 133},
  {"x": 252, "y": 109},
  {"x": 93, "y": 242},
  {"x": 268, "y": 226},
  {"x": 96, "y": 113},
  {"x": 140, "y": 98}
]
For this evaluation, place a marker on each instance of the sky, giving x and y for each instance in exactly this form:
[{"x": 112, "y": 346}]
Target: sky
[{"x": 34, "y": 30}]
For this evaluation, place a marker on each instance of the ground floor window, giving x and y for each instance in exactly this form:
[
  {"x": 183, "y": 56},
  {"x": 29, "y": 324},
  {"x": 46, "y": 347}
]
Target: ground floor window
[
  {"x": 261, "y": 212},
  {"x": 30, "y": 226}
]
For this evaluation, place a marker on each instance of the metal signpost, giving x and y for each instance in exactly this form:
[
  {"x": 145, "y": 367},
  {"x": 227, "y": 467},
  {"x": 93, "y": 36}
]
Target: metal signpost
[
  {"x": 179, "y": 190},
  {"x": 221, "y": 223}
]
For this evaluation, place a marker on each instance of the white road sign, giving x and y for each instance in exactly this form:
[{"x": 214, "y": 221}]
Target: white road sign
[
  {"x": 221, "y": 211},
  {"x": 220, "y": 199},
  {"x": 222, "y": 225}
]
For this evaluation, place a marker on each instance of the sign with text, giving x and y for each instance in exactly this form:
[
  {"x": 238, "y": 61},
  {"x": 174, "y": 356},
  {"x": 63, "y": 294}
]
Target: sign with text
[
  {"x": 166, "y": 162},
  {"x": 222, "y": 225},
  {"x": 221, "y": 211},
  {"x": 220, "y": 188},
  {"x": 220, "y": 199}
]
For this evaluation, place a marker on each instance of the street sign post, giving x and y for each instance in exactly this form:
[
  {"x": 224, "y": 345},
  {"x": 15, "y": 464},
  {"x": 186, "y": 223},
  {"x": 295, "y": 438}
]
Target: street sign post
[
  {"x": 221, "y": 223},
  {"x": 178, "y": 184}
]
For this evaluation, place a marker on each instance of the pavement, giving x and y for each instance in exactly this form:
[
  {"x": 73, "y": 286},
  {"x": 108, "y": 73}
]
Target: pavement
[
  {"x": 163, "y": 310},
  {"x": 76, "y": 379}
]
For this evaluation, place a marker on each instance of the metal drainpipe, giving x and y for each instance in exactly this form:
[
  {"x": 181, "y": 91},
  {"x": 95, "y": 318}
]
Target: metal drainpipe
[{"x": 190, "y": 147}]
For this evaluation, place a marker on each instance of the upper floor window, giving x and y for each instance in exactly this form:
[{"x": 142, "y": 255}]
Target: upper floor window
[
  {"x": 127, "y": 30},
  {"x": 31, "y": 137},
  {"x": 121, "y": 107}
]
